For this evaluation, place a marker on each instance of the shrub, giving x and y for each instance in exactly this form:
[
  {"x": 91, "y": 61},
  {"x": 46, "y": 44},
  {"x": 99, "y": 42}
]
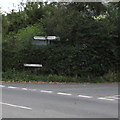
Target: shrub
[
  {"x": 111, "y": 76},
  {"x": 17, "y": 47}
]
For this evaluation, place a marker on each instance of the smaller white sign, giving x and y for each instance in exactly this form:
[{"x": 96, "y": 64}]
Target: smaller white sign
[
  {"x": 51, "y": 37},
  {"x": 32, "y": 65}
]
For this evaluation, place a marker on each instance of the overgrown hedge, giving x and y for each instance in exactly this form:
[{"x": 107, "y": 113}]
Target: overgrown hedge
[{"x": 62, "y": 59}]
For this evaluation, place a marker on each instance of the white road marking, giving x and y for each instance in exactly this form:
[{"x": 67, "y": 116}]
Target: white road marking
[
  {"x": 32, "y": 89},
  {"x": 116, "y": 97},
  {"x": 84, "y": 96},
  {"x": 112, "y": 97},
  {"x": 23, "y": 107},
  {"x": 46, "y": 91},
  {"x": 109, "y": 98},
  {"x": 102, "y": 98},
  {"x": 2, "y": 86},
  {"x": 11, "y": 87},
  {"x": 60, "y": 93},
  {"x": 24, "y": 88}
]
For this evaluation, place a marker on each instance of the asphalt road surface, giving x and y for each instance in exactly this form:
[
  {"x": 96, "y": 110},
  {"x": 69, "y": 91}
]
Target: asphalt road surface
[{"x": 59, "y": 100}]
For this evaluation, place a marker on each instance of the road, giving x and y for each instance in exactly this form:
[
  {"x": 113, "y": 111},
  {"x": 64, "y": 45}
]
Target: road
[{"x": 28, "y": 100}]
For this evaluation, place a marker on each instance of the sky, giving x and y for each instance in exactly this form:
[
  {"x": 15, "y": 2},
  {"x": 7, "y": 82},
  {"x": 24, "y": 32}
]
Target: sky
[{"x": 8, "y": 5}]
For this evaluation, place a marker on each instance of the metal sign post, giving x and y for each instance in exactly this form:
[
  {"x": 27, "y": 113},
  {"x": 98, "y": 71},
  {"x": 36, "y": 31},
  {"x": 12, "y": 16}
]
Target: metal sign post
[{"x": 41, "y": 40}]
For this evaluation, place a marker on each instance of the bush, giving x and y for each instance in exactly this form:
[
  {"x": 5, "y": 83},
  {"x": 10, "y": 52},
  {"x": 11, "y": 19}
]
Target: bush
[
  {"x": 111, "y": 76},
  {"x": 17, "y": 47},
  {"x": 67, "y": 60}
]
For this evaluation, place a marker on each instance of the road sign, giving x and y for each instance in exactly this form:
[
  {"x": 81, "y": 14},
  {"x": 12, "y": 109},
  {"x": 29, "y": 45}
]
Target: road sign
[
  {"x": 32, "y": 65},
  {"x": 46, "y": 38},
  {"x": 39, "y": 38},
  {"x": 51, "y": 37}
]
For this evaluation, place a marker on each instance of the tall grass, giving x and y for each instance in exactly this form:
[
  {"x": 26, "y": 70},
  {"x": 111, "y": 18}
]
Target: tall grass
[{"x": 27, "y": 76}]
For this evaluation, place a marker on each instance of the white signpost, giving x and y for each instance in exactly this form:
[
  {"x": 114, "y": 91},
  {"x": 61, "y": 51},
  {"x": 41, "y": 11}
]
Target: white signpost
[
  {"x": 39, "y": 38},
  {"x": 42, "y": 40}
]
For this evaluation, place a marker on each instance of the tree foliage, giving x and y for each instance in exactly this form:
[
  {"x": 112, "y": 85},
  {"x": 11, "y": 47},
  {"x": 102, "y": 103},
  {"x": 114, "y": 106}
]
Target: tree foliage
[{"x": 88, "y": 31}]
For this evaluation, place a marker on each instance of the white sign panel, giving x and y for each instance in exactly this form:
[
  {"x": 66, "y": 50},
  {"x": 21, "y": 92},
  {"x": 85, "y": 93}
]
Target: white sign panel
[
  {"x": 39, "y": 38},
  {"x": 51, "y": 37},
  {"x": 32, "y": 65},
  {"x": 46, "y": 38}
]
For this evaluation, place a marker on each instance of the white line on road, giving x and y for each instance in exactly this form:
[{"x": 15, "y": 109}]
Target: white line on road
[
  {"x": 109, "y": 98},
  {"x": 46, "y": 91},
  {"x": 60, "y": 93},
  {"x": 84, "y": 96},
  {"x": 24, "y": 88},
  {"x": 32, "y": 89},
  {"x": 114, "y": 97},
  {"x": 2, "y": 86},
  {"x": 11, "y": 87},
  {"x": 102, "y": 98},
  {"x": 23, "y": 107}
]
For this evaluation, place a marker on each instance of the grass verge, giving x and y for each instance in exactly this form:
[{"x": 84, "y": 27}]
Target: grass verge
[{"x": 26, "y": 76}]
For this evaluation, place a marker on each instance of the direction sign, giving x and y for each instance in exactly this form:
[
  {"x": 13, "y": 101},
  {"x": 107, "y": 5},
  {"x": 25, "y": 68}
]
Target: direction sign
[
  {"x": 32, "y": 65},
  {"x": 46, "y": 38},
  {"x": 39, "y": 38},
  {"x": 51, "y": 37}
]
